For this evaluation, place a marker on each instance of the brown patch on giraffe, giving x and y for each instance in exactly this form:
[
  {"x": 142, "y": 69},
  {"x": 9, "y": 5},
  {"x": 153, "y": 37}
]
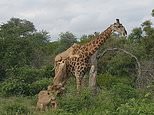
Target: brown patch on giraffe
[
  {"x": 86, "y": 53},
  {"x": 97, "y": 41},
  {"x": 86, "y": 49},
  {"x": 77, "y": 63}
]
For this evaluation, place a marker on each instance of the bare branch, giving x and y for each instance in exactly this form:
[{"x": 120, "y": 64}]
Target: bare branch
[{"x": 130, "y": 54}]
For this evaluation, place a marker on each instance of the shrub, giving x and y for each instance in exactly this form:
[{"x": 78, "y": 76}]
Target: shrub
[
  {"x": 106, "y": 80},
  {"x": 25, "y": 81},
  {"x": 26, "y": 74},
  {"x": 121, "y": 65},
  {"x": 121, "y": 93},
  {"x": 136, "y": 107},
  {"x": 124, "y": 91},
  {"x": 74, "y": 103},
  {"x": 48, "y": 71},
  {"x": 14, "y": 87},
  {"x": 109, "y": 80},
  {"x": 35, "y": 87}
]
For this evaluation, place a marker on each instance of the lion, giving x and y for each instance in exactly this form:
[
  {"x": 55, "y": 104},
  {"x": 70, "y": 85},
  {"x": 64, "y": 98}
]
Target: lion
[
  {"x": 56, "y": 89},
  {"x": 60, "y": 69},
  {"x": 45, "y": 100},
  {"x": 69, "y": 53},
  {"x": 59, "y": 80}
]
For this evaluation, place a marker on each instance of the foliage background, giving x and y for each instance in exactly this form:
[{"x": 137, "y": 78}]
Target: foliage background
[{"x": 26, "y": 63}]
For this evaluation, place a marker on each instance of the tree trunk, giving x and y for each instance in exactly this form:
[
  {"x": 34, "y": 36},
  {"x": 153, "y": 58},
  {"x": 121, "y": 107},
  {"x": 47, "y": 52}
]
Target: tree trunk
[{"x": 93, "y": 73}]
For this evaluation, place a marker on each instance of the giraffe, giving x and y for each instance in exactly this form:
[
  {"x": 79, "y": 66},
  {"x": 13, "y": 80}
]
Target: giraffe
[{"x": 79, "y": 65}]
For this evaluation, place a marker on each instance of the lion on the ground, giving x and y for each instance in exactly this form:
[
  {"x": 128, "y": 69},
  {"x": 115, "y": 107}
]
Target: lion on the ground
[{"x": 45, "y": 100}]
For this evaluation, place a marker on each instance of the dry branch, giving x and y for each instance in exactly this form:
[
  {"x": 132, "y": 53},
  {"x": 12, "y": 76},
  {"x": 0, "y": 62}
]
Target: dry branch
[{"x": 130, "y": 54}]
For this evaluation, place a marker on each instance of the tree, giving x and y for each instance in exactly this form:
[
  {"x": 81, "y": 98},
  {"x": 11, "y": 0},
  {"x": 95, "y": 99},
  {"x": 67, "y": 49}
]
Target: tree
[
  {"x": 66, "y": 40},
  {"x": 147, "y": 28},
  {"x": 152, "y": 13},
  {"x": 16, "y": 27},
  {"x": 21, "y": 44},
  {"x": 136, "y": 34},
  {"x": 86, "y": 38}
]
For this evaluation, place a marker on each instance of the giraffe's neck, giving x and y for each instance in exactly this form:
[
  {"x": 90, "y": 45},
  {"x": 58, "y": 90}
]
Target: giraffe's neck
[{"x": 91, "y": 47}]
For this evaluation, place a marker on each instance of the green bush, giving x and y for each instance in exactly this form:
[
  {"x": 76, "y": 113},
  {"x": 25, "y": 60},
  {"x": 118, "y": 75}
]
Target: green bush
[
  {"x": 48, "y": 71},
  {"x": 107, "y": 80},
  {"x": 74, "y": 103},
  {"x": 121, "y": 93},
  {"x": 121, "y": 65},
  {"x": 86, "y": 103},
  {"x": 17, "y": 87},
  {"x": 124, "y": 91},
  {"x": 35, "y": 87},
  {"x": 26, "y": 74},
  {"x": 26, "y": 81},
  {"x": 136, "y": 107},
  {"x": 14, "y": 87}
]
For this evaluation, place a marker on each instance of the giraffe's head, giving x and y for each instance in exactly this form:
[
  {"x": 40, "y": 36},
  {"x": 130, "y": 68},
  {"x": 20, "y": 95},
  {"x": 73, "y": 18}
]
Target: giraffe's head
[{"x": 118, "y": 27}]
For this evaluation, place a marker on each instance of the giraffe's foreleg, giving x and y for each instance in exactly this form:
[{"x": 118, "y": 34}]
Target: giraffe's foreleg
[{"x": 78, "y": 82}]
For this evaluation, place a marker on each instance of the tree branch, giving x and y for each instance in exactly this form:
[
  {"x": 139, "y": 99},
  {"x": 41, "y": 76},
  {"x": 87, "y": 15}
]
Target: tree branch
[{"x": 130, "y": 54}]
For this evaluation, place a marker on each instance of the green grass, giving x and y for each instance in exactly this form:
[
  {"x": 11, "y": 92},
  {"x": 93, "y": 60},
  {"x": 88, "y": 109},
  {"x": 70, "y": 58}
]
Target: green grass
[{"x": 119, "y": 98}]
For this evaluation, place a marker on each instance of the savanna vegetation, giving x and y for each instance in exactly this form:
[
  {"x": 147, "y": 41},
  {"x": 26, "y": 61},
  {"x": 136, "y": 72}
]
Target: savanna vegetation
[{"x": 26, "y": 67}]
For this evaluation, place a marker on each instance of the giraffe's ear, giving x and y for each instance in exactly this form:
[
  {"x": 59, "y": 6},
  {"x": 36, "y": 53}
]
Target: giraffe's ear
[{"x": 117, "y": 21}]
